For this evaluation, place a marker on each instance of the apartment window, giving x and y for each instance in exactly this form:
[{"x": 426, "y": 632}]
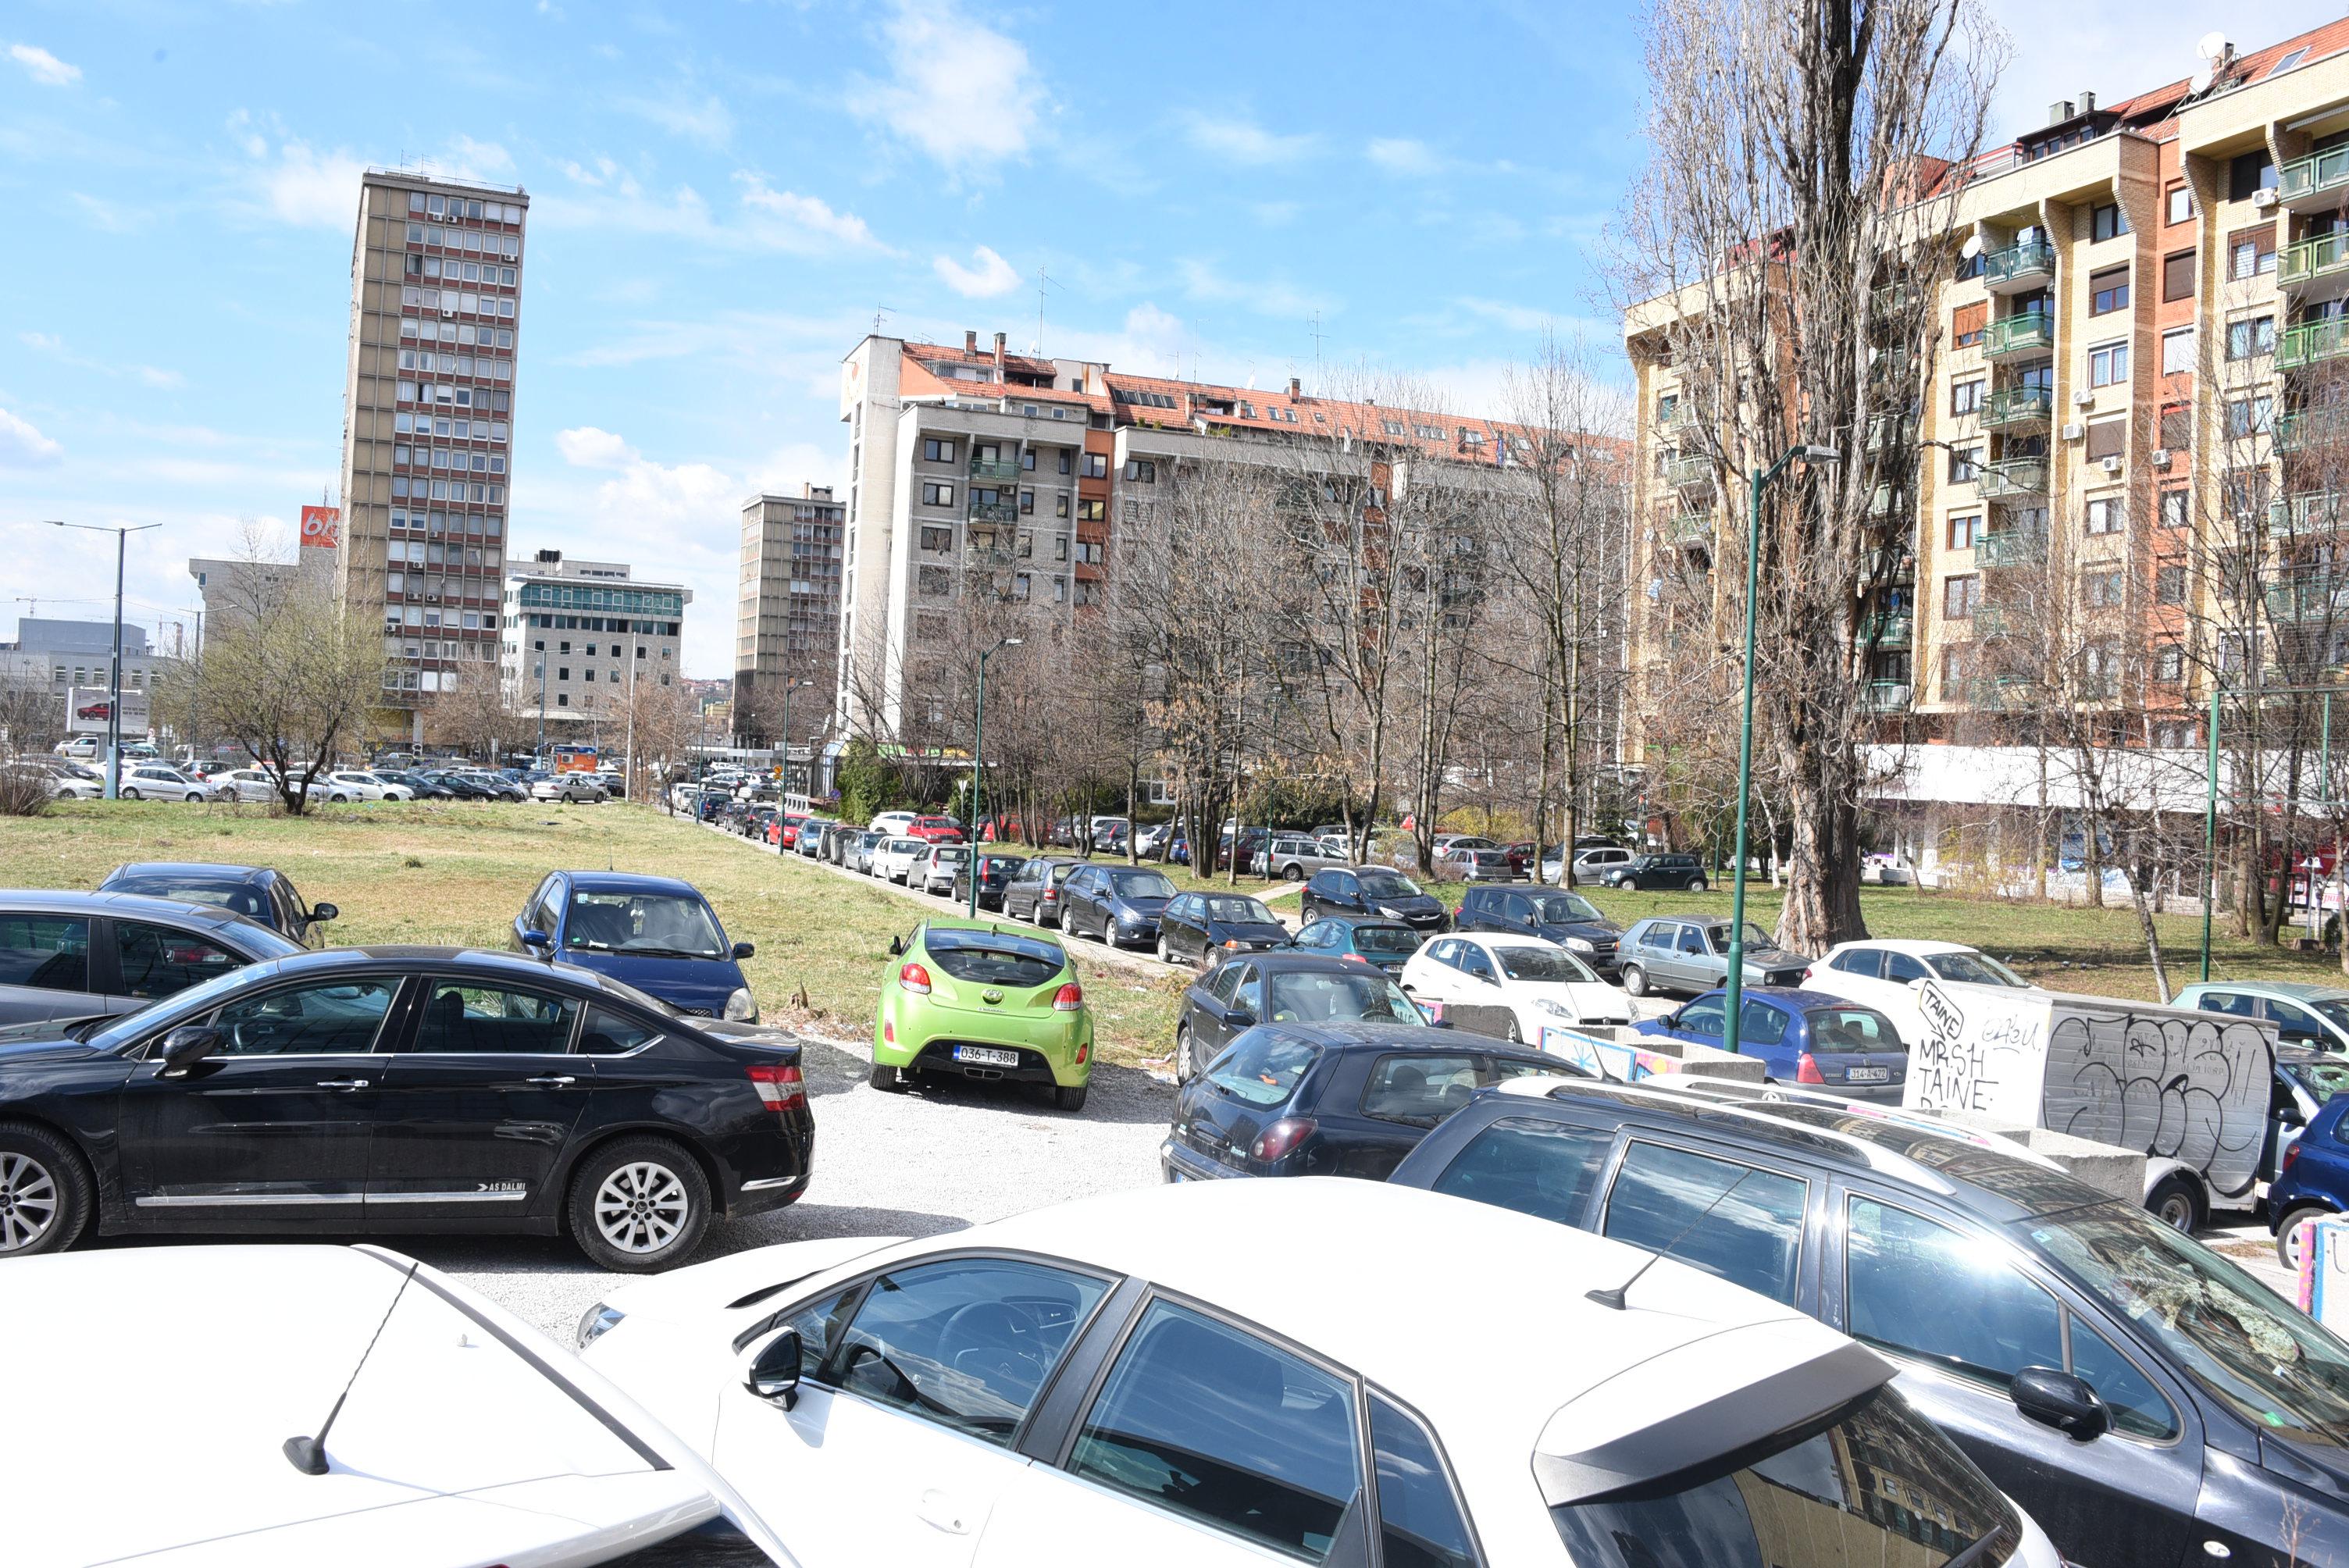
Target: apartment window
[
  {"x": 938, "y": 494},
  {"x": 2101, "y": 590},
  {"x": 2244, "y": 492},
  {"x": 2172, "y": 510},
  {"x": 1096, "y": 466},
  {"x": 2250, "y": 174},
  {"x": 1060, "y": 506},
  {"x": 1966, "y": 323},
  {"x": 1027, "y": 544},
  {"x": 1966, "y": 397},
  {"x": 2177, "y": 427},
  {"x": 1968, "y": 267},
  {"x": 2107, "y": 222},
  {"x": 2178, "y": 275},
  {"x": 1065, "y": 460},
  {"x": 2104, "y": 515},
  {"x": 563, "y": 672},
  {"x": 2170, "y": 583},
  {"x": 1027, "y": 459},
  {"x": 2178, "y": 351},
  {"x": 1953, "y": 671},
  {"x": 931, "y": 581},
  {"x": 2248, "y": 417},
  {"x": 1965, "y": 465},
  {"x": 2250, "y": 252},
  {"x": 1092, "y": 510},
  {"x": 2169, "y": 661},
  {"x": 1059, "y": 590},
  {"x": 938, "y": 540},
  {"x": 1089, "y": 553},
  {"x": 1964, "y": 530},
  {"x": 2107, "y": 438},
  {"x": 934, "y": 451},
  {"x": 1142, "y": 470},
  {"x": 1027, "y": 503},
  {"x": 2108, "y": 364},
  {"x": 2177, "y": 204},
  {"x": 1961, "y": 597},
  {"x": 2250, "y": 338}
]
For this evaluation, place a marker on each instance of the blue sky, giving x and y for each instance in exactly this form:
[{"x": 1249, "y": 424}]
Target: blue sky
[{"x": 722, "y": 196}]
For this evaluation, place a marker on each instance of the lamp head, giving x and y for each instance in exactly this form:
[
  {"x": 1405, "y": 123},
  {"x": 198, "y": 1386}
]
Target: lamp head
[{"x": 1821, "y": 454}]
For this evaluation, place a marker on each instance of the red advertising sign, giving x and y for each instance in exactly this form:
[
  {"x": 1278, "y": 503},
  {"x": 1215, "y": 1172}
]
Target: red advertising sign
[{"x": 322, "y": 527}]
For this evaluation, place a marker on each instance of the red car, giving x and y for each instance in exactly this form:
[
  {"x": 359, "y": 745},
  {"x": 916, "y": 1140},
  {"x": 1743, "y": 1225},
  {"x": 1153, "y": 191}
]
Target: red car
[
  {"x": 935, "y": 830},
  {"x": 95, "y": 710},
  {"x": 784, "y": 832}
]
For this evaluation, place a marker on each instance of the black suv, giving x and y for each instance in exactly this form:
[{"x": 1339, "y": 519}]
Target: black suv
[
  {"x": 1660, "y": 871},
  {"x": 2142, "y": 1397},
  {"x": 1380, "y": 891},
  {"x": 1568, "y": 919}
]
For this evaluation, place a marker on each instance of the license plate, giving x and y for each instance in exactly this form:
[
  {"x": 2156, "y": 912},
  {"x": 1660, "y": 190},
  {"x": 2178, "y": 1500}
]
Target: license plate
[
  {"x": 1869, "y": 1075},
  {"x": 985, "y": 1057}
]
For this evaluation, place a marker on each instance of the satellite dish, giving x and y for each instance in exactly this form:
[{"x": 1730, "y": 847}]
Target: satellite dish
[
  {"x": 2212, "y": 46},
  {"x": 1972, "y": 248},
  {"x": 2203, "y": 71}
]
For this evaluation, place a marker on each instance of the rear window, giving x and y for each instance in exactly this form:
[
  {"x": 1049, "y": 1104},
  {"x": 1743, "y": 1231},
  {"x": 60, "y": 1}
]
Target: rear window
[
  {"x": 1822, "y": 1501},
  {"x": 1319, "y": 998},
  {"x": 1852, "y": 1029},
  {"x": 993, "y": 957},
  {"x": 1386, "y": 940},
  {"x": 1140, "y": 884},
  {"x": 1386, "y": 885},
  {"x": 1264, "y": 1068},
  {"x": 237, "y": 896}
]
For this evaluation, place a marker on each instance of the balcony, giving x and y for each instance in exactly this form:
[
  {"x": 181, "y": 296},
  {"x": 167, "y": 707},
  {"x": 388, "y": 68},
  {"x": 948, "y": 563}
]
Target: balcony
[
  {"x": 2318, "y": 512},
  {"x": 2012, "y": 547},
  {"x": 1889, "y": 563},
  {"x": 1995, "y": 621},
  {"x": 2311, "y": 430},
  {"x": 2012, "y": 477},
  {"x": 2313, "y": 343},
  {"x": 2315, "y": 268},
  {"x": 1889, "y": 630},
  {"x": 2018, "y": 268},
  {"x": 2315, "y": 182},
  {"x": 1686, "y": 470},
  {"x": 2019, "y": 408},
  {"x": 2324, "y": 598},
  {"x": 994, "y": 512},
  {"x": 994, "y": 467},
  {"x": 1693, "y": 526},
  {"x": 2029, "y": 332},
  {"x": 1885, "y": 697}
]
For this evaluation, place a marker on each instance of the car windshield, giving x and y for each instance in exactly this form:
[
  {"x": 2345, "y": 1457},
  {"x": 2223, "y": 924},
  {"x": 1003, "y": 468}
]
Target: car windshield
[
  {"x": 1563, "y": 908},
  {"x": 1754, "y": 936},
  {"x": 1316, "y": 996},
  {"x": 1821, "y": 1501},
  {"x": 1386, "y": 940},
  {"x": 993, "y": 957},
  {"x": 2323, "y": 1078},
  {"x": 1542, "y": 964},
  {"x": 2271, "y": 1364},
  {"x": 1239, "y": 910},
  {"x": 1386, "y": 885},
  {"x": 1140, "y": 884},
  {"x": 950, "y": 854},
  {"x": 671, "y": 925},
  {"x": 1972, "y": 969}
]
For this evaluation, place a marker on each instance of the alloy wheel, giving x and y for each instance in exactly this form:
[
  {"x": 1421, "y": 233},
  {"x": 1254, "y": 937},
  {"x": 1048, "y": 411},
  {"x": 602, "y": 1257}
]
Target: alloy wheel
[
  {"x": 641, "y": 1206},
  {"x": 28, "y": 1202}
]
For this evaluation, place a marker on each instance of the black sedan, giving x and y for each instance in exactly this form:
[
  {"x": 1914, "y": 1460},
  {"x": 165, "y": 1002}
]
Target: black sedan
[
  {"x": 1118, "y": 905},
  {"x": 461, "y": 787},
  {"x": 257, "y": 892},
  {"x": 995, "y": 873},
  {"x": 418, "y": 786},
  {"x": 1330, "y": 1099},
  {"x": 1200, "y": 925},
  {"x": 1286, "y": 987},
  {"x": 401, "y": 1089},
  {"x": 1379, "y": 891}
]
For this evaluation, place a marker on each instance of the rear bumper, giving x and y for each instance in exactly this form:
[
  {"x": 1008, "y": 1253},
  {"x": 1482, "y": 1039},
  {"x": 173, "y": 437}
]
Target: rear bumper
[
  {"x": 1177, "y": 1163},
  {"x": 1035, "y": 1067}
]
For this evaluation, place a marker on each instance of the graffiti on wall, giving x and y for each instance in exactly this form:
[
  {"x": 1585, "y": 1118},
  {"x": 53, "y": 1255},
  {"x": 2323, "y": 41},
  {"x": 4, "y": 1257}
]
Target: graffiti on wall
[
  {"x": 1956, "y": 1068},
  {"x": 2191, "y": 1089}
]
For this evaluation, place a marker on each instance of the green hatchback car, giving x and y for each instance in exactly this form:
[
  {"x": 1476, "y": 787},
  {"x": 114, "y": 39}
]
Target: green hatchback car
[{"x": 978, "y": 1001}]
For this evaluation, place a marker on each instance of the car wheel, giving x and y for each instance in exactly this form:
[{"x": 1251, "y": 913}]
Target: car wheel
[
  {"x": 2175, "y": 1202},
  {"x": 1516, "y": 1036},
  {"x": 1164, "y": 954},
  {"x": 1185, "y": 1067},
  {"x": 44, "y": 1191},
  {"x": 195, "y": 796},
  {"x": 1635, "y": 980},
  {"x": 128, "y": 794},
  {"x": 887, "y": 1079},
  {"x": 2292, "y": 1236},
  {"x": 638, "y": 1204},
  {"x": 1070, "y": 1100},
  {"x": 1698, "y": 887},
  {"x": 1292, "y": 873}
]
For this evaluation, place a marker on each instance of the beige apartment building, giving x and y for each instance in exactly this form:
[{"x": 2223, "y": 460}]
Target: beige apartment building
[
  {"x": 787, "y": 618},
  {"x": 428, "y": 410},
  {"x": 2139, "y": 320}
]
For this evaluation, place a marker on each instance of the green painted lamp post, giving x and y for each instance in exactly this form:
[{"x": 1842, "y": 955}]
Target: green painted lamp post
[
  {"x": 979, "y": 765},
  {"x": 1735, "y": 999}
]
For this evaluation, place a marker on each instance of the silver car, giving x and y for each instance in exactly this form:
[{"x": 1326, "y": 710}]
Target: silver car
[
  {"x": 571, "y": 786},
  {"x": 1293, "y": 857},
  {"x": 101, "y": 954}
]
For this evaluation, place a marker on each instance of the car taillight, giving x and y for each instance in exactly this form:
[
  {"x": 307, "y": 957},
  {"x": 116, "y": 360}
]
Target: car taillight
[
  {"x": 779, "y": 1086},
  {"x": 1807, "y": 1071},
  {"x": 1052, "y": 896},
  {"x": 915, "y": 979},
  {"x": 2289, "y": 1154},
  {"x": 1069, "y": 998},
  {"x": 1809, "y": 972},
  {"x": 1281, "y": 1139}
]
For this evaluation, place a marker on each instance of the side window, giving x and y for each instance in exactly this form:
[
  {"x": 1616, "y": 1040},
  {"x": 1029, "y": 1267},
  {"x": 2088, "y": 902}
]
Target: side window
[
  {"x": 1519, "y": 908},
  {"x": 1536, "y": 1167},
  {"x": 2234, "y": 1002},
  {"x": 1219, "y": 984},
  {"x": 1476, "y": 963},
  {"x": 2137, "y": 1406},
  {"x": 1213, "y": 1423},
  {"x": 966, "y": 1344},
  {"x": 1867, "y": 962},
  {"x": 339, "y": 1018},
  {"x": 1759, "y": 1024},
  {"x": 1691, "y": 939},
  {"x": 1752, "y": 1237},
  {"x": 608, "y": 1034},
  {"x": 819, "y": 1325},
  {"x": 158, "y": 961},
  {"x": 1420, "y": 1523},
  {"x": 1923, "y": 1289},
  {"x": 1661, "y": 937},
  {"x": 1900, "y": 969},
  {"x": 46, "y": 952},
  {"x": 479, "y": 1018},
  {"x": 1703, "y": 1017},
  {"x": 2292, "y": 1024},
  {"x": 1418, "y": 1090},
  {"x": 1242, "y": 995},
  {"x": 1343, "y": 885},
  {"x": 541, "y": 916},
  {"x": 1321, "y": 882}
]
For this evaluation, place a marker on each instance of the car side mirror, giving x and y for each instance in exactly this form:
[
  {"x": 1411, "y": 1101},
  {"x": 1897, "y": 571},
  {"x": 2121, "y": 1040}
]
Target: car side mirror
[
  {"x": 2060, "y": 1400},
  {"x": 896, "y": 946},
  {"x": 186, "y": 1046},
  {"x": 745, "y": 949},
  {"x": 537, "y": 939},
  {"x": 1236, "y": 1018},
  {"x": 324, "y": 911},
  {"x": 774, "y": 1373}
]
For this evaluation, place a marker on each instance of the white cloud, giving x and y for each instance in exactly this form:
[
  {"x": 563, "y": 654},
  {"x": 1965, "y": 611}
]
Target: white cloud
[
  {"x": 765, "y": 219},
  {"x": 1269, "y": 296},
  {"x": 465, "y": 159},
  {"x": 155, "y": 377},
  {"x": 958, "y": 89},
  {"x": 1239, "y": 141},
  {"x": 51, "y": 344},
  {"x": 43, "y": 67},
  {"x": 23, "y": 446},
  {"x": 705, "y": 118},
  {"x": 993, "y": 276},
  {"x": 586, "y": 447},
  {"x": 1402, "y": 155},
  {"x": 804, "y": 223}
]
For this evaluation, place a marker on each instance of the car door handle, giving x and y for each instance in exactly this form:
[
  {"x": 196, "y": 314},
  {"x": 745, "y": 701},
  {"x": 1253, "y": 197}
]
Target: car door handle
[
  {"x": 552, "y": 1080},
  {"x": 345, "y": 1083},
  {"x": 939, "y": 1509}
]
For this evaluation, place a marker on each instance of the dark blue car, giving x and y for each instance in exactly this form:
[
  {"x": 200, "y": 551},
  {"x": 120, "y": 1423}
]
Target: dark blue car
[
  {"x": 1803, "y": 1037},
  {"x": 2314, "y": 1182},
  {"x": 655, "y": 934}
]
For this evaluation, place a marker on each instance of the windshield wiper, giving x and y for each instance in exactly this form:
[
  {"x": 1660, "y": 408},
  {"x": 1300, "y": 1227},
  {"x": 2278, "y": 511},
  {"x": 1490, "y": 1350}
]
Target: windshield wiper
[{"x": 662, "y": 952}]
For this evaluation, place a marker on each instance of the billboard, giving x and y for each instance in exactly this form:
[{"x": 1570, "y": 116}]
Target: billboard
[
  {"x": 87, "y": 709},
  {"x": 322, "y": 527}
]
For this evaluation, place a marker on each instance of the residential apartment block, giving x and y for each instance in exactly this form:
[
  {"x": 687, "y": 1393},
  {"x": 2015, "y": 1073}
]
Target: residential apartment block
[
  {"x": 787, "y": 619},
  {"x": 2138, "y": 312},
  {"x": 580, "y": 636},
  {"x": 436, "y": 288}
]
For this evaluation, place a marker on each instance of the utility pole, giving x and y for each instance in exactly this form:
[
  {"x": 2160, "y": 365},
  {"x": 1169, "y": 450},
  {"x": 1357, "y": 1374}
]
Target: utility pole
[
  {"x": 114, "y": 673},
  {"x": 979, "y": 765}
]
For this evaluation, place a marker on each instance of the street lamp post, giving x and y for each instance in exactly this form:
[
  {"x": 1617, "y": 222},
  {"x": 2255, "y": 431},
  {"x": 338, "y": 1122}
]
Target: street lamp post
[
  {"x": 114, "y": 674},
  {"x": 979, "y": 765},
  {"x": 789, "y": 682},
  {"x": 1734, "y": 996}
]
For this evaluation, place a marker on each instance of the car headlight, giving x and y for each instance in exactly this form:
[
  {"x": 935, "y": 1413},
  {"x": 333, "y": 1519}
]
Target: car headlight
[
  {"x": 1554, "y": 1010},
  {"x": 598, "y": 1320},
  {"x": 1579, "y": 944},
  {"x": 741, "y": 1007}
]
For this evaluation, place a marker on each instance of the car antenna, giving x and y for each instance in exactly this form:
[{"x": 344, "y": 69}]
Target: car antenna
[
  {"x": 308, "y": 1455},
  {"x": 1614, "y": 1296}
]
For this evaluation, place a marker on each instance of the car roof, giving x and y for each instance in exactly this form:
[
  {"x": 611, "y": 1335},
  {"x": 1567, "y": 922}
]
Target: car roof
[
  {"x": 629, "y": 881},
  {"x": 1916, "y": 947},
  {"x": 1792, "y": 996},
  {"x": 183, "y": 869},
  {"x": 1356, "y": 921},
  {"x": 1391, "y": 1035},
  {"x": 1284, "y": 961},
  {"x": 65, "y": 900},
  {"x": 997, "y": 927},
  {"x": 2297, "y": 990}
]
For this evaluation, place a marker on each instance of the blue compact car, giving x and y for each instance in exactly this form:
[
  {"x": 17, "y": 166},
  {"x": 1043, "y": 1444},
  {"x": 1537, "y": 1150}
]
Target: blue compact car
[
  {"x": 1803, "y": 1037},
  {"x": 655, "y": 934},
  {"x": 2314, "y": 1182}
]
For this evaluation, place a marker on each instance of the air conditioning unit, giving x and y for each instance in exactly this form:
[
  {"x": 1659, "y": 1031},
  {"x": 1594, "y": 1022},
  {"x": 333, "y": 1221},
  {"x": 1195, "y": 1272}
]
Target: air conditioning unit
[
  {"x": 2073, "y": 432},
  {"x": 2161, "y": 456},
  {"x": 2112, "y": 465},
  {"x": 2264, "y": 200},
  {"x": 2083, "y": 399}
]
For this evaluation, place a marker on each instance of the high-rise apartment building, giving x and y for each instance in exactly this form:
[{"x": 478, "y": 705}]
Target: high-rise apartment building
[
  {"x": 2132, "y": 436},
  {"x": 787, "y": 619},
  {"x": 436, "y": 289},
  {"x": 579, "y": 638}
]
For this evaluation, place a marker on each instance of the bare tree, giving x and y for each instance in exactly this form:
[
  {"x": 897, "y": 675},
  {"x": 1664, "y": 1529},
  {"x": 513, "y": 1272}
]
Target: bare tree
[{"x": 32, "y": 714}]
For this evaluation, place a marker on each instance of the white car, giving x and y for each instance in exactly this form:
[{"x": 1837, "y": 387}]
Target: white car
[
  {"x": 1539, "y": 982},
  {"x": 1885, "y": 974},
  {"x": 466, "y": 1438},
  {"x": 1162, "y": 1376},
  {"x": 348, "y": 785},
  {"x": 892, "y": 823},
  {"x": 933, "y": 869},
  {"x": 893, "y": 858},
  {"x": 156, "y": 781}
]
